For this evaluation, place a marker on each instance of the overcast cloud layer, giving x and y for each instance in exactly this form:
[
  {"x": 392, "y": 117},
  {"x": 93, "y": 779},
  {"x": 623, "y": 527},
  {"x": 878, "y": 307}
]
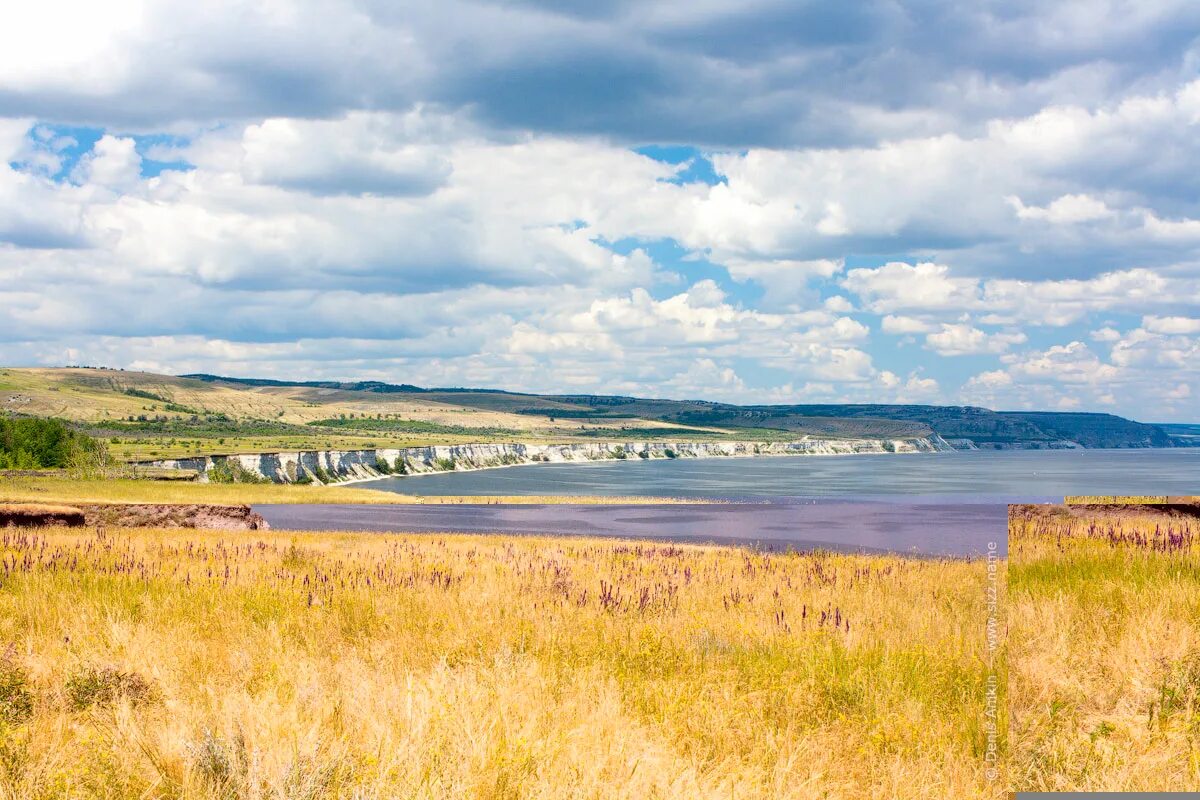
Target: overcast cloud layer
[{"x": 983, "y": 202}]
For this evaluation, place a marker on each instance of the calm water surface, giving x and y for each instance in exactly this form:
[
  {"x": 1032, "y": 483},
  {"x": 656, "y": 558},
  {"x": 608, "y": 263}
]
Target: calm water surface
[
  {"x": 968, "y": 476},
  {"x": 902, "y": 525},
  {"x": 929, "y": 504}
]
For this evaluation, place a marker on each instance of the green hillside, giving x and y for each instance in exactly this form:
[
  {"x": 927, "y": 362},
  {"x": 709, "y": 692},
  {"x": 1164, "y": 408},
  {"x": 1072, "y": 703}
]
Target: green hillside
[{"x": 983, "y": 427}]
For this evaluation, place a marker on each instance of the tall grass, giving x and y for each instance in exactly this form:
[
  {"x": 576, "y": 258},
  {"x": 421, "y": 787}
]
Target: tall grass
[
  {"x": 217, "y": 665},
  {"x": 1105, "y": 691}
]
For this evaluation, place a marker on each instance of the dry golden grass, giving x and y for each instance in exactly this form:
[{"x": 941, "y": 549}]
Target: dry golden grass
[
  {"x": 34, "y": 508},
  {"x": 1105, "y": 690},
  {"x": 218, "y": 665},
  {"x": 90, "y": 395},
  {"x": 1115, "y": 500}
]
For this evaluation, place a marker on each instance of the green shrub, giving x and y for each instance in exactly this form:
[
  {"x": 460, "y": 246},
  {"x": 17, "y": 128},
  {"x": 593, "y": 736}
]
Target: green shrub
[
  {"x": 619, "y": 452},
  {"x": 401, "y": 466},
  {"x": 669, "y": 453},
  {"x": 16, "y": 700},
  {"x": 30, "y": 443},
  {"x": 320, "y": 474},
  {"x": 382, "y": 466},
  {"x": 102, "y": 687},
  {"x": 444, "y": 464},
  {"x": 145, "y": 395},
  {"x": 178, "y": 409},
  {"x": 229, "y": 471}
]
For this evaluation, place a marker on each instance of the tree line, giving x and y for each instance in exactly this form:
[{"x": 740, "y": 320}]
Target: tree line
[{"x": 32, "y": 443}]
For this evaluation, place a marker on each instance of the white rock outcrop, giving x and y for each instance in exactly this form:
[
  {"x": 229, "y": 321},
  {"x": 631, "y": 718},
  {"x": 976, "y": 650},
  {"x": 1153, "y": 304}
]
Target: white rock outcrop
[{"x": 343, "y": 465}]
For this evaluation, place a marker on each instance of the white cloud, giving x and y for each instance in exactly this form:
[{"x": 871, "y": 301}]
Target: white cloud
[
  {"x": 901, "y": 325},
  {"x": 413, "y": 215},
  {"x": 928, "y": 287},
  {"x": 1066, "y": 210},
  {"x": 963, "y": 339},
  {"x": 1106, "y": 334},
  {"x": 919, "y": 390},
  {"x": 990, "y": 380},
  {"x": 113, "y": 164},
  {"x": 1181, "y": 391},
  {"x": 1143, "y": 348},
  {"x": 1171, "y": 325},
  {"x": 1171, "y": 230},
  {"x": 924, "y": 286},
  {"x": 362, "y": 153},
  {"x": 1070, "y": 363}
]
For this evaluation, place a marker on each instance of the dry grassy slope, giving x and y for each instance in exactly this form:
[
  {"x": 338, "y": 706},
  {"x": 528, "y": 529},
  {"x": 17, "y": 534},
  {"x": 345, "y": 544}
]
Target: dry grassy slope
[
  {"x": 155, "y": 663},
  {"x": 96, "y": 396},
  {"x": 1105, "y": 643}
]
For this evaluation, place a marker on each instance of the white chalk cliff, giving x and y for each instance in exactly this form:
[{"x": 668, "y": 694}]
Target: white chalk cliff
[{"x": 340, "y": 465}]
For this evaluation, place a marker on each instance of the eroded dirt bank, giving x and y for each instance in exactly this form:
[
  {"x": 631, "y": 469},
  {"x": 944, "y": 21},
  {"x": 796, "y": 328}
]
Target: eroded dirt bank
[{"x": 133, "y": 515}]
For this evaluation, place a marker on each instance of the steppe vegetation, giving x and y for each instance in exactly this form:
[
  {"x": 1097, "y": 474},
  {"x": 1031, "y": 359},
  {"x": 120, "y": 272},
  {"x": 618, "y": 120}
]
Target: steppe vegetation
[
  {"x": 157, "y": 663},
  {"x": 142, "y": 416},
  {"x": 1105, "y": 610}
]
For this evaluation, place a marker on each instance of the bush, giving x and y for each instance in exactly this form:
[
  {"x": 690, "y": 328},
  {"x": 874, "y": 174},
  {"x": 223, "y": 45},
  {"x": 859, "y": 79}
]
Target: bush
[
  {"x": 669, "y": 453},
  {"x": 16, "y": 701},
  {"x": 382, "y": 466},
  {"x": 30, "y": 443},
  {"x": 618, "y": 452},
  {"x": 320, "y": 474},
  {"x": 401, "y": 466},
  {"x": 102, "y": 687},
  {"x": 180, "y": 409},
  {"x": 145, "y": 395},
  {"x": 233, "y": 472},
  {"x": 444, "y": 464}
]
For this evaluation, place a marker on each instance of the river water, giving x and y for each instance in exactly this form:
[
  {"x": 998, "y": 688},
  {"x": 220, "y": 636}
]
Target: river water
[
  {"x": 901, "y": 525},
  {"x": 974, "y": 476}
]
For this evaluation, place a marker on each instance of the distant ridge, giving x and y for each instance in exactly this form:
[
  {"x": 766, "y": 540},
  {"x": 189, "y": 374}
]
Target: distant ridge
[{"x": 965, "y": 427}]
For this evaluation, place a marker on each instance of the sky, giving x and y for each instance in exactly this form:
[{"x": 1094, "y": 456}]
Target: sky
[{"x": 773, "y": 201}]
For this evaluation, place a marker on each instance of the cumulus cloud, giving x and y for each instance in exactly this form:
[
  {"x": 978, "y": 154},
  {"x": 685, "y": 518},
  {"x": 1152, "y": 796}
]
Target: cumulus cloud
[
  {"x": 1066, "y": 210},
  {"x": 902, "y": 325},
  {"x": 1184, "y": 325},
  {"x": 113, "y": 164},
  {"x": 362, "y": 153},
  {"x": 1069, "y": 363},
  {"x": 929, "y": 287},
  {"x": 964, "y": 339},
  {"x": 331, "y": 188},
  {"x": 774, "y": 72}
]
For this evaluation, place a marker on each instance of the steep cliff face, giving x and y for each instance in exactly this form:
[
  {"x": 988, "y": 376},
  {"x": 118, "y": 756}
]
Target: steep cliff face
[{"x": 340, "y": 465}]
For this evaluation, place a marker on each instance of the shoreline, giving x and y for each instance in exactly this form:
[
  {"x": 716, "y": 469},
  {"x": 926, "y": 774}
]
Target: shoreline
[{"x": 359, "y": 466}]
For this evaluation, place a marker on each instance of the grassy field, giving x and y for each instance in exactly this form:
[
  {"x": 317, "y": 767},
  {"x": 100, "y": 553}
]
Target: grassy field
[
  {"x": 216, "y": 665},
  {"x": 1105, "y": 651}
]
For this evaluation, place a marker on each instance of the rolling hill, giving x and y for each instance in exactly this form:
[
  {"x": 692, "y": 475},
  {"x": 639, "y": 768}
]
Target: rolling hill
[
  {"x": 971, "y": 426},
  {"x": 148, "y": 416}
]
